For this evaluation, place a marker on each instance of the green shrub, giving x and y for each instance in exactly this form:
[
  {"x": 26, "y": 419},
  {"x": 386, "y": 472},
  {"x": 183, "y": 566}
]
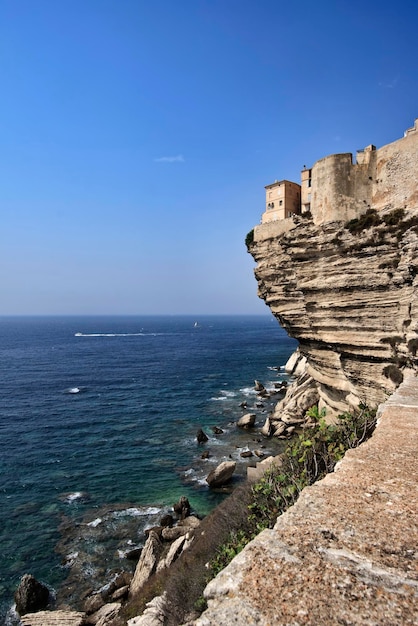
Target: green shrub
[
  {"x": 309, "y": 457},
  {"x": 369, "y": 219},
  {"x": 249, "y": 239}
]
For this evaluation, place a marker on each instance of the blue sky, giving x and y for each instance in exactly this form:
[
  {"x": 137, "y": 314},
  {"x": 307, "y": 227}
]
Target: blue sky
[{"x": 136, "y": 138}]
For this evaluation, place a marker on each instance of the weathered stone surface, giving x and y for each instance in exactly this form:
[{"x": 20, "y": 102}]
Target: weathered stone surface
[
  {"x": 93, "y": 603},
  {"x": 53, "y": 618},
  {"x": 350, "y": 300},
  {"x": 247, "y": 420},
  {"x": 171, "y": 534},
  {"x": 147, "y": 563},
  {"x": 221, "y": 474},
  {"x": 190, "y": 522},
  {"x": 105, "y": 615},
  {"x": 154, "y": 615},
  {"x": 31, "y": 595},
  {"x": 346, "y": 552},
  {"x": 174, "y": 551}
]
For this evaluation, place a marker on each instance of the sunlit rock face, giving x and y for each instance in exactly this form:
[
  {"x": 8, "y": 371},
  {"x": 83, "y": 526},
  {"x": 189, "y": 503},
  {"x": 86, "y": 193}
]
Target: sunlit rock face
[{"x": 349, "y": 296}]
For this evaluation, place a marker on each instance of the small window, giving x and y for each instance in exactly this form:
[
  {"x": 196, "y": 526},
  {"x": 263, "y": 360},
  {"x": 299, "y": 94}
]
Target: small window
[{"x": 280, "y": 202}]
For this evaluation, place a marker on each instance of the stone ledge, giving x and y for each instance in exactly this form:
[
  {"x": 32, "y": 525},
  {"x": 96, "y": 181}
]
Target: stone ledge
[
  {"x": 53, "y": 618},
  {"x": 346, "y": 552}
]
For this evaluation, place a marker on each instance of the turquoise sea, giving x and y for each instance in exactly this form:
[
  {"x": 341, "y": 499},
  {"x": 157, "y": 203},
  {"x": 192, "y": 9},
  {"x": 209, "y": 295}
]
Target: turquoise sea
[{"x": 98, "y": 422}]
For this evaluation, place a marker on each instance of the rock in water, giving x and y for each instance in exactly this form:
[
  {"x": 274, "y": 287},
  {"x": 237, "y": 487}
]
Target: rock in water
[
  {"x": 182, "y": 507},
  {"x": 221, "y": 474},
  {"x": 201, "y": 437},
  {"x": 247, "y": 420},
  {"x": 31, "y": 595}
]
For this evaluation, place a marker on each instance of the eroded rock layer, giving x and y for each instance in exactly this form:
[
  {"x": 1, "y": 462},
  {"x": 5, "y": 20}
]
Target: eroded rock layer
[{"x": 349, "y": 296}]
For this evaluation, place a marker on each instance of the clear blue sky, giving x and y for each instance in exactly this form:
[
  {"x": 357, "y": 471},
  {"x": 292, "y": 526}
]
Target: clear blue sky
[{"x": 136, "y": 138}]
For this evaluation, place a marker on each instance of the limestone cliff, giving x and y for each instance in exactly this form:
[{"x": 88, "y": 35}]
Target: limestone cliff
[{"x": 348, "y": 293}]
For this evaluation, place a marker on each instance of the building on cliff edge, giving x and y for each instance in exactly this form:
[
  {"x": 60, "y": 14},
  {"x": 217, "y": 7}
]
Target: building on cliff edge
[{"x": 339, "y": 188}]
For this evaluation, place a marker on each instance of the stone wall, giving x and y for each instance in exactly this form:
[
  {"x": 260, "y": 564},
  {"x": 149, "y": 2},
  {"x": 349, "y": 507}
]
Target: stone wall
[{"x": 382, "y": 179}]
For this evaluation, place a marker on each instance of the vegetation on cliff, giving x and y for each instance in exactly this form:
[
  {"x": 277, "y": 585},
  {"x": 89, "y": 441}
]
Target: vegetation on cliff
[
  {"x": 250, "y": 509},
  {"x": 308, "y": 457}
]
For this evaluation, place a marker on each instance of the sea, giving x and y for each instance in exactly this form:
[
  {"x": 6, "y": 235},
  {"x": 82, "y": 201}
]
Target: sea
[{"x": 98, "y": 424}]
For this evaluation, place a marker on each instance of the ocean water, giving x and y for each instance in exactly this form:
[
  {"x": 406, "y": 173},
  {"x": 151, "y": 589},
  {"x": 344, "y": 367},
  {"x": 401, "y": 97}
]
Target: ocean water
[{"x": 98, "y": 422}]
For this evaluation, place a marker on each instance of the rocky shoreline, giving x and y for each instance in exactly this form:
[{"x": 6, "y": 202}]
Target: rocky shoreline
[{"x": 171, "y": 531}]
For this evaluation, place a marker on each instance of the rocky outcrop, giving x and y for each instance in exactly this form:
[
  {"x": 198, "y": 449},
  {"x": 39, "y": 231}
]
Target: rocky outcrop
[
  {"x": 348, "y": 294},
  {"x": 31, "y": 595},
  {"x": 221, "y": 474},
  {"x": 346, "y": 552}
]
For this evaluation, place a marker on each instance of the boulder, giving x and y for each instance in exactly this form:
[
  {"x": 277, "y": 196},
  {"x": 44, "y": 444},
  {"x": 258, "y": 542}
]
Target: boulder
[
  {"x": 267, "y": 429},
  {"x": 205, "y": 455},
  {"x": 221, "y": 474},
  {"x": 167, "y": 520},
  {"x": 246, "y": 454},
  {"x": 182, "y": 507},
  {"x": 31, "y": 595},
  {"x": 201, "y": 436},
  {"x": 93, "y": 603},
  {"x": 171, "y": 534},
  {"x": 105, "y": 615},
  {"x": 174, "y": 551},
  {"x": 120, "y": 593},
  {"x": 247, "y": 420},
  {"x": 147, "y": 564},
  {"x": 259, "y": 386},
  {"x": 190, "y": 522},
  {"x": 217, "y": 431},
  {"x": 279, "y": 429}
]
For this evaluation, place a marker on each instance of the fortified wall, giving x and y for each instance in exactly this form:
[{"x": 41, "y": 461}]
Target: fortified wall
[
  {"x": 338, "y": 189},
  {"x": 383, "y": 179}
]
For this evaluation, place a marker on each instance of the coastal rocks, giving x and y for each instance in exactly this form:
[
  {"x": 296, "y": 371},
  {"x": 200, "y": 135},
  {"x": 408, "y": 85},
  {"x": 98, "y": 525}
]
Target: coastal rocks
[
  {"x": 147, "y": 562},
  {"x": 155, "y": 613},
  {"x": 221, "y": 474},
  {"x": 247, "y": 420},
  {"x": 174, "y": 551},
  {"x": 53, "y": 618},
  {"x": 31, "y": 595},
  {"x": 105, "y": 615},
  {"x": 182, "y": 507},
  {"x": 201, "y": 436}
]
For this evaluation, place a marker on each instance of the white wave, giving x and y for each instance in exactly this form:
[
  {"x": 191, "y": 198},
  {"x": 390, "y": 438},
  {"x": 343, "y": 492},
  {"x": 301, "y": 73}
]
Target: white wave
[
  {"x": 73, "y": 497},
  {"x": 117, "y": 334},
  {"x": 74, "y": 390},
  {"x": 136, "y": 512},
  {"x": 220, "y": 399},
  {"x": 95, "y": 522},
  {"x": 248, "y": 391},
  {"x": 70, "y": 559}
]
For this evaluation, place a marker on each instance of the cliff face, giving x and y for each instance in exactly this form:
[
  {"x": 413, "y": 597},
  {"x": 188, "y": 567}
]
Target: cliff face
[{"x": 347, "y": 293}]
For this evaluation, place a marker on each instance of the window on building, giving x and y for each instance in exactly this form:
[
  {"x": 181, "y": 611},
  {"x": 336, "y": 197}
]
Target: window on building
[{"x": 280, "y": 202}]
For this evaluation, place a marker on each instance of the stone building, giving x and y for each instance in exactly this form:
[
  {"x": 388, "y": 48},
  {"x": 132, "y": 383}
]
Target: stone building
[
  {"x": 336, "y": 188},
  {"x": 282, "y": 201}
]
